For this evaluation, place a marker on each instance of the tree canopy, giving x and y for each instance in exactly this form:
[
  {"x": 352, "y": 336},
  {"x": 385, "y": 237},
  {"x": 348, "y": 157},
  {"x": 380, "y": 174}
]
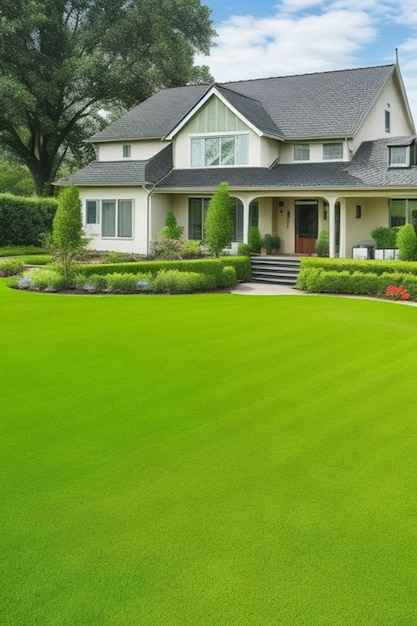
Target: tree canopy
[{"x": 61, "y": 61}]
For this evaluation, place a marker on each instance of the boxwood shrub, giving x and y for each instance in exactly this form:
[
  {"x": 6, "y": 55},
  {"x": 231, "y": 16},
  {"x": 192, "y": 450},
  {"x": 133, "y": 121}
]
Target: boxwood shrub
[
  {"x": 24, "y": 220},
  {"x": 353, "y": 265},
  {"x": 212, "y": 267}
]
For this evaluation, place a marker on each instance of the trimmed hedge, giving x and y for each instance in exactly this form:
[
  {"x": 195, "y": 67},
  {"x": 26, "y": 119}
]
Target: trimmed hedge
[
  {"x": 318, "y": 280},
  {"x": 212, "y": 267},
  {"x": 364, "y": 267},
  {"x": 24, "y": 220}
]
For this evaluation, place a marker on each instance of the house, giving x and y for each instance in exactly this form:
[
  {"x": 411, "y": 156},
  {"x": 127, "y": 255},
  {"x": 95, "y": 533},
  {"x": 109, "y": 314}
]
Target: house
[{"x": 333, "y": 151}]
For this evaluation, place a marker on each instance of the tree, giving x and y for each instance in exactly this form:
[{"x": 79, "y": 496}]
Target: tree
[
  {"x": 407, "y": 243},
  {"x": 171, "y": 230},
  {"x": 67, "y": 239},
  {"x": 219, "y": 225},
  {"x": 61, "y": 61}
]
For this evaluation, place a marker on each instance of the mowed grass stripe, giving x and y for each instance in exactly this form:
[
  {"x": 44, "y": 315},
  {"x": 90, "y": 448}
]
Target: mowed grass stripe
[{"x": 208, "y": 460}]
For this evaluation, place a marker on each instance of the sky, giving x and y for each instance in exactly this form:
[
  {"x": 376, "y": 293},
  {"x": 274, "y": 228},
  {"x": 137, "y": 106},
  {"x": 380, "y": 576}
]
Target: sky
[{"x": 263, "y": 38}]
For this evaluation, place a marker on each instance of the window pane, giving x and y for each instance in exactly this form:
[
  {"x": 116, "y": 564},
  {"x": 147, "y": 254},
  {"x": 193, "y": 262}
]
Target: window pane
[
  {"x": 212, "y": 151},
  {"x": 124, "y": 218},
  {"x": 398, "y": 155},
  {"x": 332, "y": 151},
  {"x": 302, "y": 152},
  {"x": 397, "y": 213},
  {"x": 254, "y": 214},
  {"x": 127, "y": 151},
  {"x": 91, "y": 212},
  {"x": 195, "y": 223},
  {"x": 197, "y": 152},
  {"x": 108, "y": 227},
  {"x": 237, "y": 214},
  {"x": 227, "y": 150},
  {"x": 242, "y": 149}
]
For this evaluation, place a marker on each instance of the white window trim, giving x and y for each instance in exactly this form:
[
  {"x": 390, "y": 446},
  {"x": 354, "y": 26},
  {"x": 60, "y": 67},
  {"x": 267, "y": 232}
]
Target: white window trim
[
  {"x": 298, "y": 145},
  {"x": 332, "y": 143},
  {"x": 99, "y": 217},
  {"x": 407, "y": 157},
  {"x": 214, "y": 134}
]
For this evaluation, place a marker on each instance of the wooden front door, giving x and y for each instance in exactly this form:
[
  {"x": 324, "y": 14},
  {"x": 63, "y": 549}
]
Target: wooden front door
[{"x": 306, "y": 226}]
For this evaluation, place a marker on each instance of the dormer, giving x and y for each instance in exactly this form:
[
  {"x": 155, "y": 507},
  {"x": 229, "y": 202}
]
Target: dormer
[{"x": 402, "y": 152}]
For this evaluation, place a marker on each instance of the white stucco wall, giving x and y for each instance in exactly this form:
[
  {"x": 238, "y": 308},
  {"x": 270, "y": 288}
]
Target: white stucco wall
[
  {"x": 140, "y": 150},
  {"x": 374, "y": 211},
  {"x": 374, "y": 125}
]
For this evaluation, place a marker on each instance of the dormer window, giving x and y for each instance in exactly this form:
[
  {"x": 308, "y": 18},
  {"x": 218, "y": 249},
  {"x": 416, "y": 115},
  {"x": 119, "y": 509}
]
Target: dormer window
[
  {"x": 302, "y": 152},
  {"x": 332, "y": 151},
  {"x": 399, "y": 156},
  {"x": 127, "y": 151}
]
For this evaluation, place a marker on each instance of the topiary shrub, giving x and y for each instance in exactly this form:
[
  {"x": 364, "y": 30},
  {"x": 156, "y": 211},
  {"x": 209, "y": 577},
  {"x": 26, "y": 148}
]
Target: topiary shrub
[
  {"x": 384, "y": 237},
  {"x": 407, "y": 243},
  {"x": 171, "y": 230},
  {"x": 219, "y": 226}
]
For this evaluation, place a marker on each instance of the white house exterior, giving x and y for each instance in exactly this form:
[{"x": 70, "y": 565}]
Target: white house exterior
[{"x": 332, "y": 151}]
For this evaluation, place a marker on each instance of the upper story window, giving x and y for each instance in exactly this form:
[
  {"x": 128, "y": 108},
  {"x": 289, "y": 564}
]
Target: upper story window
[
  {"x": 302, "y": 152},
  {"x": 387, "y": 121},
  {"x": 332, "y": 151},
  {"x": 220, "y": 150},
  {"x": 127, "y": 151},
  {"x": 399, "y": 156}
]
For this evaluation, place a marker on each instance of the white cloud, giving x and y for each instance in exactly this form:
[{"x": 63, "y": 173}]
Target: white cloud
[{"x": 302, "y": 36}]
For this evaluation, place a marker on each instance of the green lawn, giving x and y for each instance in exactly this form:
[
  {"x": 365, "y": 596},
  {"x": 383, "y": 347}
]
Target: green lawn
[{"x": 211, "y": 459}]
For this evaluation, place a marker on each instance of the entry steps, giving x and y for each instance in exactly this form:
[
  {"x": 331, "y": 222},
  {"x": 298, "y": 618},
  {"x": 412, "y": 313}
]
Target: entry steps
[{"x": 275, "y": 269}]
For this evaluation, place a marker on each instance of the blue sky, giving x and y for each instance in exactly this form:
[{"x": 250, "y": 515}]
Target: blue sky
[{"x": 258, "y": 38}]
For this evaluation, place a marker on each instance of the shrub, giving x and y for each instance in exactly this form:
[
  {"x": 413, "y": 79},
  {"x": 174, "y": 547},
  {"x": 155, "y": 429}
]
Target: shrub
[
  {"x": 254, "y": 239},
  {"x": 167, "y": 249},
  {"x": 322, "y": 245},
  {"x": 122, "y": 283},
  {"x": 219, "y": 226},
  {"x": 228, "y": 277},
  {"x": 174, "y": 281},
  {"x": 171, "y": 230},
  {"x": 96, "y": 283},
  {"x": 244, "y": 249},
  {"x": 384, "y": 237},
  {"x": 119, "y": 257},
  {"x": 407, "y": 243},
  {"x": 191, "y": 249},
  {"x": 25, "y": 220},
  {"x": 11, "y": 267},
  {"x": 45, "y": 279}
]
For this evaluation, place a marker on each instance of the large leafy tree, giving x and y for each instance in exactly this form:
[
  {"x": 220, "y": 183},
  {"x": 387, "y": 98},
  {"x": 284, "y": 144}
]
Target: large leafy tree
[{"x": 63, "y": 60}]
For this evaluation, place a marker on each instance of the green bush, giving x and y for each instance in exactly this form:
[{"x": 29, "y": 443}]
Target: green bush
[
  {"x": 45, "y": 279},
  {"x": 166, "y": 249},
  {"x": 122, "y": 283},
  {"x": 171, "y": 230},
  {"x": 322, "y": 244},
  {"x": 21, "y": 250},
  {"x": 270, "y": 243},
  {"x": 384, "y": 237},
  {"x": 96, "y": 283},
  {"x": 353, "y": 265},
  {"x": 407, "y": 243},
  {"x": 25, "y": 220},
  {"x": 254, "y": 239},
  {"x": 175, "y": 281},
  {"x": 11, "y": 267},
  {"x": 119, "y": 257},
  {"x": 244, "y": 249},
  {"x": 228, "y": 277},
  {"x": 191, "y": 249}
]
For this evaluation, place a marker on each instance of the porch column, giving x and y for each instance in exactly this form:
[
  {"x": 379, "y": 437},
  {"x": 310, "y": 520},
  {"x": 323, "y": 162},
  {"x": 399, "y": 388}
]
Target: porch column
[
  {"x": 332, "y": 227},
  {"x": 342, "y": 243},
  {"x": 245, "y": 220}
]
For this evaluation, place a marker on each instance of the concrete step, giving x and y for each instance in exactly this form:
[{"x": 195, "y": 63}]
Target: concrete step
[{"x": 275, "y": 270}]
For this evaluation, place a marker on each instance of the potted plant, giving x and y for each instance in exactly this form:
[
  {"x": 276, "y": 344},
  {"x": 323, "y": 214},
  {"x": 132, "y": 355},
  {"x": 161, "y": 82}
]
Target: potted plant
[{"x": 270, "y": 244}]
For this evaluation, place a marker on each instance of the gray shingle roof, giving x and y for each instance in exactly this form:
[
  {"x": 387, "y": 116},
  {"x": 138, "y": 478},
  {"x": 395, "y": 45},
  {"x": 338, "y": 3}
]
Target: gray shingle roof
[
  {"x": 368, "y": 168},
  {"x": 121, "y": 173},
  {"x": 307, "y": 106}
]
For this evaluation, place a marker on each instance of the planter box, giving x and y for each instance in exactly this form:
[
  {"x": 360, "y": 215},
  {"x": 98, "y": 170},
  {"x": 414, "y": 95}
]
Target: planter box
[
  {"x": 360, "y": 253},
  {"x": 386, "y": 254}
]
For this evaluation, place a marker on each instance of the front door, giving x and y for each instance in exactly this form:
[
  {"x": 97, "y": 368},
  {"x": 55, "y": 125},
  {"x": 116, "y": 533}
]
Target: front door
[{"x": 306, "y": 226}]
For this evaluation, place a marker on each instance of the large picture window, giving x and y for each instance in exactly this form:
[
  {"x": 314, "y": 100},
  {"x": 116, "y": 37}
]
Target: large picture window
[
  {"x": 117, "y": 218},
  {"x": 197, "y": 215},
  {"x": 220, "y": 151},
  {"x": 403, "y": 212}
]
